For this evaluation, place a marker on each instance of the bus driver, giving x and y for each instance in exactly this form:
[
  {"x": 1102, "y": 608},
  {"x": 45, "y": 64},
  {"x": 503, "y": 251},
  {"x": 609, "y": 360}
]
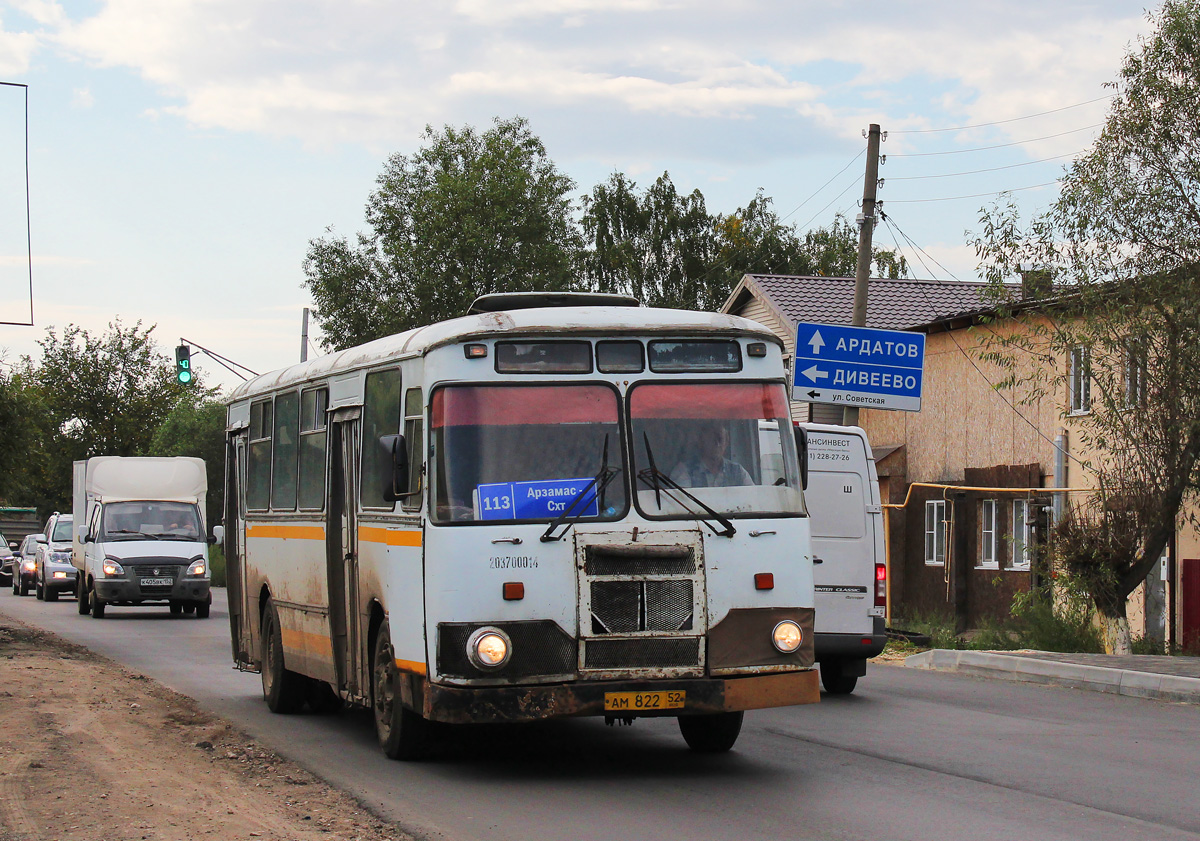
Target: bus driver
[{"x": 707, "y": 466}]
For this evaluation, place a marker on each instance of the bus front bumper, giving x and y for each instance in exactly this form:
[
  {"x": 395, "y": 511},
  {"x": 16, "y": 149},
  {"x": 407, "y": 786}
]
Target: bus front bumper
[{"x": 493, "y": 704}]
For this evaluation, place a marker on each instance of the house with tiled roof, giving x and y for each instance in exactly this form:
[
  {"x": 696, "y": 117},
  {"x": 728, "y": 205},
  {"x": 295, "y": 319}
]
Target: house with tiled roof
[{"x": 963, "y": 551}]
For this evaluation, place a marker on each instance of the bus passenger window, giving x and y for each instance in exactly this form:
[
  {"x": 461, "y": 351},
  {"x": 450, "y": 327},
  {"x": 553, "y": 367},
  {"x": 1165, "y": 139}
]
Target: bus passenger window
[
  {"x": 381, "y": 416},
  {"x": 287, "y": 445},
  {"x": 313, "y": 404},
  {"x": 258, "y": 472}
]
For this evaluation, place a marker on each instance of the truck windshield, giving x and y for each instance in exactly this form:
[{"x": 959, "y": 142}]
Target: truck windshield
[
  {"x": 150, "y": 521},
  {"x": 729, "y": 445},
  {"x": 504, "y": 453}
]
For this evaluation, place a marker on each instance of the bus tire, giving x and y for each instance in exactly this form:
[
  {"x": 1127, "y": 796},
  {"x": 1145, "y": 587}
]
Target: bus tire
[
  {"x": 713, "y": 733},
  {"x": 402, "y": 733},
  {"x": 834, "y": 681},
  {"x": 81, "y": 596},
  {"x": 95, "y": 603},
  {"x": 281, "y": 687}
]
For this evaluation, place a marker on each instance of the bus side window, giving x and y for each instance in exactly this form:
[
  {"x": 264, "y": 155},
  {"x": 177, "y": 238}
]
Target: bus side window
[
  {"x": 381, "y": 416},
  {"x": 258, "y": 474},
  {"x": 313, "y": 405},
  {"x": 416, "y": 453},
  {"x": 287, "y": 448}
]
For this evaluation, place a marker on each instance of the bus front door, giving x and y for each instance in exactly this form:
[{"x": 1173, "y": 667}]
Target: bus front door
[
  {"x": 241, "y": 634},
  {"x": 342, "y": 551}
]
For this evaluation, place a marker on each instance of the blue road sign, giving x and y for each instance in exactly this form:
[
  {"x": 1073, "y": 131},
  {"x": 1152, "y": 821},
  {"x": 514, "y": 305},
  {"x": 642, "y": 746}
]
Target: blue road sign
[{"x": 859, "y": 366}]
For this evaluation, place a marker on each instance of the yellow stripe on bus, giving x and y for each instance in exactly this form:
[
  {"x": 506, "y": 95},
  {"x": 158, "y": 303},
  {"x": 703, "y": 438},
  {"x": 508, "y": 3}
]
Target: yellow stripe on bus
[
  {"x": 410, "y": 666},
  {"x": 285, "y": 532},
  {"x": 389, "y": 537},
  {"x": 318, "y": 645}
]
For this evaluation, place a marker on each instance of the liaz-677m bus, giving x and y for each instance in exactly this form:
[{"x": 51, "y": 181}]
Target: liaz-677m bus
[{"x": 556, "y": 505}]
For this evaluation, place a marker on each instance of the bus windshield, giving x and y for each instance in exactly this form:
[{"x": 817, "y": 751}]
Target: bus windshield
[
  {"x": 729, "y": 445},
  {"x": 519, "y": 453}
]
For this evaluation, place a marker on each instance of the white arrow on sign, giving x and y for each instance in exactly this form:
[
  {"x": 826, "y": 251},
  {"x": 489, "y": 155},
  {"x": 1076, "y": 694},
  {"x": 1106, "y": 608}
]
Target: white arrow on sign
[
  {"x": 814, "y": 374},
  {"x": 817, "y": 342}
]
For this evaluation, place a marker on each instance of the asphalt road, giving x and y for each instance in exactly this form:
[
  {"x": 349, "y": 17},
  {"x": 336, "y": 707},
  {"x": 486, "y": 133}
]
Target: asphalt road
[{"x": 911, "y": 755}]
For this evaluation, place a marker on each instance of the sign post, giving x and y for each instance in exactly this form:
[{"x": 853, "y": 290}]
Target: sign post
[{"x": 859, "y": 366}]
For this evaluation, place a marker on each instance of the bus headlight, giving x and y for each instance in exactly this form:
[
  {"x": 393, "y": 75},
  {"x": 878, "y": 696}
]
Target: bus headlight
[
  {"x": 489, "y": 648},
  {"x": 787, "y": 636}
]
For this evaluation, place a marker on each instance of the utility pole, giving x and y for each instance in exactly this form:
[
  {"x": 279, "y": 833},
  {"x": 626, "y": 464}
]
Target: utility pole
[
  {"x": 866, "y": 227},
  {"x": 304, "y": 337}
]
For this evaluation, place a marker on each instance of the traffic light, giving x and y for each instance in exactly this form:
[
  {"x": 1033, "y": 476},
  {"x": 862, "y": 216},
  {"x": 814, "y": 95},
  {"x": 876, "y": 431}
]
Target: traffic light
[{"x": 183, "y": 364}]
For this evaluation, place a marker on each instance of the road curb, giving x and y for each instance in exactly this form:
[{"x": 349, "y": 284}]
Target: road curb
[{"x": 1031, "y": 670}]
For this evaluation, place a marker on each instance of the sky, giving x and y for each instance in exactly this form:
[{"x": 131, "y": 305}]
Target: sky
[{"x": 181, "y": 154}]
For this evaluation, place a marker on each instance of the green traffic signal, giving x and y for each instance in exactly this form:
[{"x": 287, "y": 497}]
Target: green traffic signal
[{"x": 183, "y": 364}]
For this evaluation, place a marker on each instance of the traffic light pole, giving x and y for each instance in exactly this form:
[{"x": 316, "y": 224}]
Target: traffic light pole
[{"x": 224, "y": 361}]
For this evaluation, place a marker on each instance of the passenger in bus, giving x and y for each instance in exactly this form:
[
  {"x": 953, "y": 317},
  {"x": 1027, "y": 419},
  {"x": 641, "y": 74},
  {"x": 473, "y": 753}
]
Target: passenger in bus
[{"x": 707, "y": 466}]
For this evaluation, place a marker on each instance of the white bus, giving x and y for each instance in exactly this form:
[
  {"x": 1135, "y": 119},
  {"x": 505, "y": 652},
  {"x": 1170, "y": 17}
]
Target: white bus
[{"x": 557, "y": 505}]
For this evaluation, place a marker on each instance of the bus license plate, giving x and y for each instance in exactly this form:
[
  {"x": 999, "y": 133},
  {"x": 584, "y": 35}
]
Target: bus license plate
[
  {"x": 157, "y": 582},
  {"x": 669, "y": 699}
]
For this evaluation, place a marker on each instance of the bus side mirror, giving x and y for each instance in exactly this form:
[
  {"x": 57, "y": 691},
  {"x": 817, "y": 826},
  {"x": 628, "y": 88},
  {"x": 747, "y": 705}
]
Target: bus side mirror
[
  {"x": 802, "y": 454},
  {"x": 395, "y": 456}
]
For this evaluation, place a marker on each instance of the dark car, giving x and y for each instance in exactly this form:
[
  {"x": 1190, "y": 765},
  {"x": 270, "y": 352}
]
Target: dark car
[
  {"x": 25, "y": 566},
  {"x": 8, "y": 558}
]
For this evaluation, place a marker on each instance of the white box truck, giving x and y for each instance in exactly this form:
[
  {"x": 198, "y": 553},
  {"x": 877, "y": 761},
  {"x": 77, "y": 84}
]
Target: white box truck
[
  {"x": 849, "y": 572},
  {"x": 140, "y": 535}
]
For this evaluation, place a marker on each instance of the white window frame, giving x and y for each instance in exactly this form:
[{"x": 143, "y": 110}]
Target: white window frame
[
  {"x": 1023, "y": 544},
  {"x": 1081, "y": 380},
  {"x": 988, "y": 556},
  {"x": 1135, "y": 374},
  {"x": 935, "y": 532}
]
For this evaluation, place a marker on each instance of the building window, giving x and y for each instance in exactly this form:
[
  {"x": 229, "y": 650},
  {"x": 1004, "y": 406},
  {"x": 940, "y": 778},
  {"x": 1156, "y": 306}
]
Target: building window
[
  {"x": 935, "y": 532},
  {"x": 1022, "y": 533},
  {"x": 987, "y": 534},
  {"x": 1081, "y": 381},
  {"x": 1135, "y": 373}
]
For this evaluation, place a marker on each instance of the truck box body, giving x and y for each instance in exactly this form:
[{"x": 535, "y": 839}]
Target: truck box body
[{"x": 147, "y": 514}]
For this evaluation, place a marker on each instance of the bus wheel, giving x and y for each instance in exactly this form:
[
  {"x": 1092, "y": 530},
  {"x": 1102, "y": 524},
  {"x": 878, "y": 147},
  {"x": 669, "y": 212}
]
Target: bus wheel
[
  {"x": 81, "y": 595},
  {"x": 711, "y": 733},
  {"x": 834, "y": 681},
  {"x": 402, "y": 733},
  {"x": 281, "y": 687}
]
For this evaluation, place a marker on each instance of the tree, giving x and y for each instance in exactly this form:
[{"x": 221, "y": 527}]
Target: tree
[
  {"x": 19, "y": 411},
  {"x": 467, "y": 214},
  {"x": 666, "y": 250},
  {"x": 1122, "y": 243},
  {"x": 196, "y": 427},
  {"x": 99, "y": 395}
]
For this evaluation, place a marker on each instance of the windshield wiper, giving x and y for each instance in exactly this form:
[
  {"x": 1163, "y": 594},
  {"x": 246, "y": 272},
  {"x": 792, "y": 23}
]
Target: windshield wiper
[
  {"x": 600, "y": 481},
  {"x": 656, "y": 479}
]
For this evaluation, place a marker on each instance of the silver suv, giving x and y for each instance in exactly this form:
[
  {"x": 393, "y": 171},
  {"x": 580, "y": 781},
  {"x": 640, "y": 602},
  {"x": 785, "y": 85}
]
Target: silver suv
[{"x": 55, "y": 573}]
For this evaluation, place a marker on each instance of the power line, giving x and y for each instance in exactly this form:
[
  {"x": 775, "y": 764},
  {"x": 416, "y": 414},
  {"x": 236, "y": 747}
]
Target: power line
[
  {"x": 974, "y": 195},
  {"x": 1002, "y": 122},
  {"x": 826, "y": 184},
  {"x": 978, "y": 171},
  {"x": 997, "y": 146},
  {"x": 831, "y": 202}
]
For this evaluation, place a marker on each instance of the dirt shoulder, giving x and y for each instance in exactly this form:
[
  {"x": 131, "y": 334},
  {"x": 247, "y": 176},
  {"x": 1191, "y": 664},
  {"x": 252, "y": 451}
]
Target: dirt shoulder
[{"x": 90, "y": 750}]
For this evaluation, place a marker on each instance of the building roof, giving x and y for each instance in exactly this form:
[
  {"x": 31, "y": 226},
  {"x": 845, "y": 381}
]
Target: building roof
[{"x": 891, "y": 304}]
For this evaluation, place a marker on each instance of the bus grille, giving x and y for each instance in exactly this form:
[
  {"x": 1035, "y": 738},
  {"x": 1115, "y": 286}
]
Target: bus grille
[
  {"x": 643, "y": 653},
  {"x": 639, "y": 560},
  {"x": 621, "y": 607}
]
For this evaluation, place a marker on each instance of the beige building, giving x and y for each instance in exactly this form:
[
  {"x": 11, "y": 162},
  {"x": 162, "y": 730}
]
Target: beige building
[{"x": 964, "y": 550}]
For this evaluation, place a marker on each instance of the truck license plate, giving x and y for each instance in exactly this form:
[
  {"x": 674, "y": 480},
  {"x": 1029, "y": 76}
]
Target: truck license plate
[
  {"x": 669, "y": 699},
  {"x": 157, "y": 582}
]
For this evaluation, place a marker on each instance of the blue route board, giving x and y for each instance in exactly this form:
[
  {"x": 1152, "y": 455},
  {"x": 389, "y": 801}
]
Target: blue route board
[{"x": 535, "y": 500}]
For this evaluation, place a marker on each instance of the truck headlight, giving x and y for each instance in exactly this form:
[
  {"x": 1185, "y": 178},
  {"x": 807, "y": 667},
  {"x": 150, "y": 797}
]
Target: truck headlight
[
  {"x": 489, "y": 648},
  {"x": 198, "y": 567},
  {"x": 787, "y": 636},
  {"x": 112, "y": 568}
]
